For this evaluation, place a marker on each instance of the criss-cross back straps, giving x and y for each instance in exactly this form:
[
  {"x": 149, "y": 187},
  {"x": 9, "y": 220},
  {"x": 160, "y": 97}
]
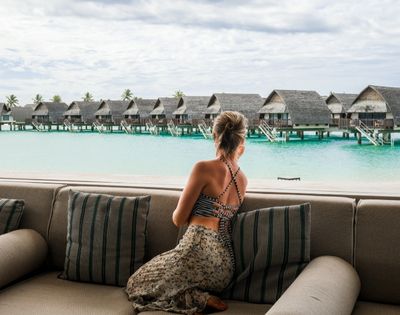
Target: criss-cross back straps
[{"x": 233, "y": 179}]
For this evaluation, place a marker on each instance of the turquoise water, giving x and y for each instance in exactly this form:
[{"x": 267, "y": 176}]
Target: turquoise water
[{"x": 333, "y": 159}]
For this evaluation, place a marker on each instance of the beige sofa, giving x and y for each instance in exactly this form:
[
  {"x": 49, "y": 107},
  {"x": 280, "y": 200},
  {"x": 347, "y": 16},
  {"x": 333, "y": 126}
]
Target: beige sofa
[{"x": 363, "y": 234}]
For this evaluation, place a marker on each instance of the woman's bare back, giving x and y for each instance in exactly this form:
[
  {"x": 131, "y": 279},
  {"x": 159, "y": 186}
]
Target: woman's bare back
[{"x": 218, "y": 177}]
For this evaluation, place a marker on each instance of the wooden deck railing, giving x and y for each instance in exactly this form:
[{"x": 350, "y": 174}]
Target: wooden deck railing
[
  {"x": 276, "y": 123},
  {"x": 42, "y": 120},
  {"x": 374, "y": 123}
]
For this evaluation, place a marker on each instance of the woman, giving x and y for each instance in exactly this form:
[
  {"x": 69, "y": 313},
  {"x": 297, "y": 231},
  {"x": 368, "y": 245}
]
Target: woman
[{"x": 186, "y": 278}]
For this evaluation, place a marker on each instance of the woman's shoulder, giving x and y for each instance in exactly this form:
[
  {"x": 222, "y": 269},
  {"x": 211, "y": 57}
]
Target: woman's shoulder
[
  {"x": 205, "y": 167},
  {"x": 205, "y": 163}
]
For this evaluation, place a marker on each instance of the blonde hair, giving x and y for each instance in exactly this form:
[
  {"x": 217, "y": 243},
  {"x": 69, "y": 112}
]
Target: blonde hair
[{"x": 229, "y": 130}]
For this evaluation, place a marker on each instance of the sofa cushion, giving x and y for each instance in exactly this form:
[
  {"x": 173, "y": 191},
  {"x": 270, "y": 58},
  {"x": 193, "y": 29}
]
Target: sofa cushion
[
  {"x": 21, "y": 252},
  {"x": 377, "y": 258},
  {"x": 328, "y": 285},
  {"x": 162, "y": 233},
  {"x": 10, "y": 214},
  {"x": 106, "y": 237},
  {"x": 332, "y": 220},
  {"x": 38, "y": 198},
  {"x": 46, "y": 294},
  {"x": 271, "y": 247}
]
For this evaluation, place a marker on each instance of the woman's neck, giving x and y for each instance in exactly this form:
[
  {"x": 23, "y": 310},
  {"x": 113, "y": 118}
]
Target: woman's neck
[{"x": 232, "y": 159}]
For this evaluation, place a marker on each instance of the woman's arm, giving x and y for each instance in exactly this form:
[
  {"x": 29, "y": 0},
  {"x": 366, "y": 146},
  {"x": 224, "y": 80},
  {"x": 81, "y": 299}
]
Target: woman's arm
[{"x": 195, "y": 184}]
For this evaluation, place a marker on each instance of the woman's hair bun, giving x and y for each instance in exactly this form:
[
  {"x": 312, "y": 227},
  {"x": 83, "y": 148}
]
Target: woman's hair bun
[{"x": 229, "y": 130}]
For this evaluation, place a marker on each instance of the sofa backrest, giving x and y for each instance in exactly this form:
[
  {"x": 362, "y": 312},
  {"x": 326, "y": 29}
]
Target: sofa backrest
[
  {"x": 162, "y": 233},
  {"x": 332, "y": 218},
  {"x": 38, "y": 199},
  {"x": 377, "y": 254}
]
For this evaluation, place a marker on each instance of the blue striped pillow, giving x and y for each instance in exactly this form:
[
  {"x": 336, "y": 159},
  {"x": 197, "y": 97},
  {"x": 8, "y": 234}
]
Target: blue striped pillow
[
  {"x": 10, "y": 214},
  {"x": 271, "y": 247},
  {"x": 106, "y": 237}
]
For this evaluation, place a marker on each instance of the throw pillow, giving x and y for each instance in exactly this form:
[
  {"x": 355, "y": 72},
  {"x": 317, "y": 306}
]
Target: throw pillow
[
  {"x": 10, "y": 214},
  {"x": 106, "y": 237},
  {"x": 271, "y": 247}
]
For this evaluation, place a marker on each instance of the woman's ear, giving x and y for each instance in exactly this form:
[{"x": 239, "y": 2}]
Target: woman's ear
[{"x": 241, "y": 149}]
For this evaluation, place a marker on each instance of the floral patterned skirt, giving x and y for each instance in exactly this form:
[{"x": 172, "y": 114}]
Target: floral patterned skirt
[{"x": 181, "y": 279}]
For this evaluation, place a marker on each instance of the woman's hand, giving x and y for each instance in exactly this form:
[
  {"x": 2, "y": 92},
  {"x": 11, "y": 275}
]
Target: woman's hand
[{"x": 195, "y": 184}]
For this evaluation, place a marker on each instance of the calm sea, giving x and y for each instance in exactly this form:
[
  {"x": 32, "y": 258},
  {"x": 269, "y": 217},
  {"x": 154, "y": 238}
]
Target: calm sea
[{"x": 331, "y": 159}]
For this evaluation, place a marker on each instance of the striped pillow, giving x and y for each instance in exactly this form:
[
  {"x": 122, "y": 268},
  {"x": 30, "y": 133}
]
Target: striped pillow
[
  {"x": 106, "y": 237},
  {"x": 271, "y": 247},
  {"x": 10, "y": 214}
]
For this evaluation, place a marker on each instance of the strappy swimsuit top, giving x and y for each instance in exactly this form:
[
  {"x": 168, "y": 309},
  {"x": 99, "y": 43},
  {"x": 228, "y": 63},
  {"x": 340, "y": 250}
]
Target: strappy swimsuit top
[{"x": 208, "y": 206}]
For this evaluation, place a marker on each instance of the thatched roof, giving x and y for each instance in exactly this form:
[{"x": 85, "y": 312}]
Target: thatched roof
[
  {"x": 193, "y": 106},
  {"x": 145, "y": 106},
  {"x": 30, "y": 105},
  {"x": 273, "y": 108},
  {"x": 388, "y": 101},
  {"x": 4, "y": 109},
  {"x": 132, "y": 108},
  {"x": 20, "y": 114},
  {"x": 84, "y": 109},
  {"x": 166, "y": 106},
  {"x": 304, "y": 107},
  {"x": 54, "y": 110},
  {"x": 113, "y": 108},
  {"x": 247, "y": 104},
  {"x": 339, "y": 102}
]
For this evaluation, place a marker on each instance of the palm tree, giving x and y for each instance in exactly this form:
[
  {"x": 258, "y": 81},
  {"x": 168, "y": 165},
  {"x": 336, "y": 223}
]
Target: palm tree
[
  {"x": 12, "y": 100},
  {"x": 87, "y": 97},
  {"x": 178, "y": 94},
  {"x": 127, "y": 95},
  {"x": 56, "y": 99},
  {"x": 37, "y": 99}
]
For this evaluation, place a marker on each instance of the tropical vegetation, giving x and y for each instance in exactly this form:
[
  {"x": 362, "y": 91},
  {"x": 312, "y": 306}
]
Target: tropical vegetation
[
  {"x": 127, "y": 95},
  {"x": 87, "y": 97},
  {"x": 37, "y": 99},
  {"x": 178, "y": 94},
  {"x": 56, "y": 99},
  {"x": 12, "y": 101}
]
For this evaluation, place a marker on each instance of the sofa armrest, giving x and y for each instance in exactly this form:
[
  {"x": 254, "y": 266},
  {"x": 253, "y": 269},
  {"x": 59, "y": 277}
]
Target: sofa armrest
[
  {"x": 328, "y": 285},
  {"x": 21, "y": 251}
]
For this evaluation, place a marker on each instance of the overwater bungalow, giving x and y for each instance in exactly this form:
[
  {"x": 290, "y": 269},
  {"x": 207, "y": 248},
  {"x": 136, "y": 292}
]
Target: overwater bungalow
[
  {"x": 163, "y": 109},
  {"x": 138, "y": 111},
  {"x": 146, "y": 106},
  {"x": 21, "y": 114},
  {"x": 111, "y": 112},
  {"x": 81, "y": 112},
  {"x": 377, "y": 107},
  {"x": 190, "y": 110},
  {"x": 49, "y": 113},
  {"x": 247, "y": 104},
  {"x": 16, "y": 116},
  {"x": 4, "y": 113},
  {"x": 131, "y": 113},
  {"x": 339, "y": 104},
  {"x": 295, "y": 109}
]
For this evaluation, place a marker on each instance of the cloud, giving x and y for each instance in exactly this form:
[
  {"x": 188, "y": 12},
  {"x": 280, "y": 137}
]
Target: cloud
[{"x": 156, "y": 47}]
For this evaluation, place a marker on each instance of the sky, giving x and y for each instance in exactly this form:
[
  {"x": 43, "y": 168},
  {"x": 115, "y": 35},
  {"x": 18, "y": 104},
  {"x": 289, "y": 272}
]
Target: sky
[{"x": 155, "y": 47}]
